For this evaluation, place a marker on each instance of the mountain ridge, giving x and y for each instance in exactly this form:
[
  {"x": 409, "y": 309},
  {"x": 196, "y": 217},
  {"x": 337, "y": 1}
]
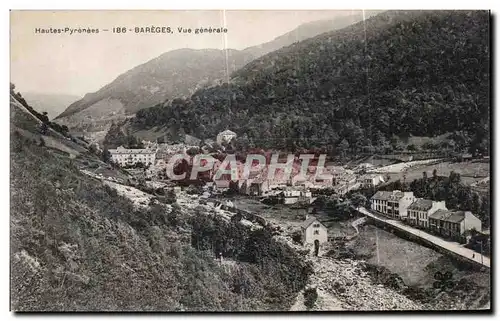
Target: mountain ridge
[
  {"x": 51, "y": 103},
  {"x": 155, "y": 81},
  {"x": 399, "y": 73}
]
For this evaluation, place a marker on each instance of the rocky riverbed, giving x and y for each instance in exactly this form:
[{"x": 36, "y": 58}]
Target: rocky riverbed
[{"x": 411, "y": 269}]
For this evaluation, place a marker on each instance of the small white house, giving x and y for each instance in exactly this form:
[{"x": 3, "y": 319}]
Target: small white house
[
  {"x": 313, "y": 230},
  {"x": 225, "y": 137},
  {"x": 370, "y": 180}
]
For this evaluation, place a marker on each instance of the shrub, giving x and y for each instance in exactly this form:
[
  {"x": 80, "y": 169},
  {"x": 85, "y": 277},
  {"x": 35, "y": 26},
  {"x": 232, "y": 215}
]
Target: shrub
[{"x": 310, "y": 297}]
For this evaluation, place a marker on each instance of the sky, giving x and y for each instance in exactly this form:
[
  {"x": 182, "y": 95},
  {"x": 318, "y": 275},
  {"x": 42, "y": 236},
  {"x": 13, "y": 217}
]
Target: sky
[{"x": 81, "y": 63}]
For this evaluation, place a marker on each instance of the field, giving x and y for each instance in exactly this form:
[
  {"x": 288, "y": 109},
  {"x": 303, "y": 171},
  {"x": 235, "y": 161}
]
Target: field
[
  {"x": 414, "y": 263},
  {"x": 470, "y": 172}
]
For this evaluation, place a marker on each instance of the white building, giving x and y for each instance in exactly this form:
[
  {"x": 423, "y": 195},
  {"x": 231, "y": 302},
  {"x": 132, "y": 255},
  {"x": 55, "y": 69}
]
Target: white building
[
  {"x": 420, "y": 210},
  {"x": 127, "y": 157},
  {"x": 453, "y": 224},
  {"x": 225, "y": 137},
  {"x": 292, "y": 196},
  {"x": 370, "y": 180},
  {"x": 313, "y": 230},
  {"x": 392, "y": 203}
]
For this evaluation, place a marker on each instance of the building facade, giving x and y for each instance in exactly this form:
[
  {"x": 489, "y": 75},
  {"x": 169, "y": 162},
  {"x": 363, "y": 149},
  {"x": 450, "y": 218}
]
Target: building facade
[
  {"x": 392, "y": 203},
  {"x": 453, "y": 224},
  {"x": 370, "y": 180},
  {"x": 129, "y": 157},
  {"x": 420, "y": 210},
  {"x": 292, "y": 196},
  {"x": 313, "y": 230}
]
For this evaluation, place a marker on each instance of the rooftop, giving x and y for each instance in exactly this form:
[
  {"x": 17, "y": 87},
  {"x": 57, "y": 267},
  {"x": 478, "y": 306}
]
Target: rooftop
[
  {"x": 309, "y": 221},
  {"x": 421, "y": 205},
  {"x": 122, "y": 150},
  {"x": 388, "y": 195},
  {"x": 227, "y": 132},
  {"x": 448, "y": 216}
]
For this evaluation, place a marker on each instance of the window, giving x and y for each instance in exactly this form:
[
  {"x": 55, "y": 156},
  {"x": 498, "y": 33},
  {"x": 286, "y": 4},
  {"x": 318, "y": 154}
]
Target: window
[
  {"x": 316, "y": 225},
  {"x": 316, "y": 232}
]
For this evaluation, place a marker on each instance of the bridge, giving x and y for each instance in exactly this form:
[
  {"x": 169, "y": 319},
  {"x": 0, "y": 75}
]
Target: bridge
[{"x": 453, "y": 248}]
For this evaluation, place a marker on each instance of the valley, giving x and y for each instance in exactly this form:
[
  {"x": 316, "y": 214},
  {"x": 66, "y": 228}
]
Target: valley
[{"x": 289, "y": 176}]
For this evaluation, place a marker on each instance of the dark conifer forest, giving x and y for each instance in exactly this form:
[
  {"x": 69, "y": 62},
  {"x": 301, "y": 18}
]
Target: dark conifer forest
[{"x": 397, "y": 74}]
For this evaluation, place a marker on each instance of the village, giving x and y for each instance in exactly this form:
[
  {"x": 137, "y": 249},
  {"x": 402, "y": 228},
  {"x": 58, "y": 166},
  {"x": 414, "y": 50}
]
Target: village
[
  {"x": 291, "y": 210},
  {"x": 288, "y": 187}
]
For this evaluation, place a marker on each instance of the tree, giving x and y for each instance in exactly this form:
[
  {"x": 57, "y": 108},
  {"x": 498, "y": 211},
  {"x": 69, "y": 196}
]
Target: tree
[
  {"x": 44, "y": 128},
  {"x": 173, "y": 216},
  {"x": 170, "y": 196},
  {"x": 92, "y": 149},
  {"x": 343, "y": 147},
  {"x": 358, "y": 200},
  {"x": 64, "y": 129},
  {"x": 106, "y": 155},
  {"x": 454, "y": 178},
  {"x": 412, "y": 147},
  {"x": 45, "y": 117},
  {"x": 396, "y": 143},
  {"x": 310, "y": 297}
]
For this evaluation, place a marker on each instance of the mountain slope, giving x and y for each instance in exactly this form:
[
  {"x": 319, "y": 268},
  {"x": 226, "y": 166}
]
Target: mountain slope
[
  {"x": 179, "y": 73},
  {"x": 53, "y": 104},
  {"x": 398, "y": 73},
  {"x": 77, "y": 244}
]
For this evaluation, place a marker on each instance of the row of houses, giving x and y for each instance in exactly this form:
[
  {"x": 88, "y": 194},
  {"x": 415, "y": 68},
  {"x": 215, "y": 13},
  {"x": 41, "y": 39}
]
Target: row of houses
[{"x": 423, "y": 213}]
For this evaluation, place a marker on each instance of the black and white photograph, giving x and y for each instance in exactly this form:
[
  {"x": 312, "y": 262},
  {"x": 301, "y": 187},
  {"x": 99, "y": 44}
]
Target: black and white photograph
[{"x": 250, "y": 160}]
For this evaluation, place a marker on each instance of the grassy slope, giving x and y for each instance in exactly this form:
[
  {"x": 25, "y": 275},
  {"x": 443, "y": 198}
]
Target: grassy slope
[{"x": 76, "y": 245}]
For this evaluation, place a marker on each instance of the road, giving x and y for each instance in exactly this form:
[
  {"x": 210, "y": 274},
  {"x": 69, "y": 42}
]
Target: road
[{"x": 450, "y": 246}]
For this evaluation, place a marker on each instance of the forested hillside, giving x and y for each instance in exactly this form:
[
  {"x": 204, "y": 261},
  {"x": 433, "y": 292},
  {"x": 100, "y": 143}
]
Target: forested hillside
[
  {"x": 360, "y": 88},
  {"x": 179, "y": 73}
]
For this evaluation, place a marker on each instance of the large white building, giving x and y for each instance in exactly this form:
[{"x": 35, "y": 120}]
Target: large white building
[
  {"x": 292, "y": 196},
  {"x": 128, "y": 157},
  {"x": 394, "y": 203}
]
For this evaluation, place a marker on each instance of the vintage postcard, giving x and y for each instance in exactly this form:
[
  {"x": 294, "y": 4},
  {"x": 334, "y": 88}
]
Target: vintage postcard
[{"x": 250, "y": 160}]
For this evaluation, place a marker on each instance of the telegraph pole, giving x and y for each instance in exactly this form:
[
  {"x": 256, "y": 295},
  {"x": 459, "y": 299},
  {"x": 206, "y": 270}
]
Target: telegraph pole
[{"x": 481, "y": 252}]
